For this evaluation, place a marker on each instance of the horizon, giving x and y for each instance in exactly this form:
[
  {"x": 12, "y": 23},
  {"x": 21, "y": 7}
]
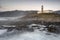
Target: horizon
[
  {"x": 9, "y": 5},
  {"x": 28, "y": 10}
]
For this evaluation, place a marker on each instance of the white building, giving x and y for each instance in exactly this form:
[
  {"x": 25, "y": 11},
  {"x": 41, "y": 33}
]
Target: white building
[{"x": 44, "y": 11}]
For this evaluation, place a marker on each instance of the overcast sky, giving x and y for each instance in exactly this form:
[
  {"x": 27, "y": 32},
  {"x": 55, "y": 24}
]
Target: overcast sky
[{"x": 6, "y": 5}]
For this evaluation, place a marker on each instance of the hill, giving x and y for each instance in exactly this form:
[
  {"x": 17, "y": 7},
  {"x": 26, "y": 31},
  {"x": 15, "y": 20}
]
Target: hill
[
  {"x": 57, "y": 12},
  {"x": 47, "y": 17},
  {"x": 15, "y": 13}
]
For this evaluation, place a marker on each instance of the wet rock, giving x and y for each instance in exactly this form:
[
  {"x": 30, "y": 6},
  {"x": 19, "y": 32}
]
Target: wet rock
[{"x": 53, "y": 28}]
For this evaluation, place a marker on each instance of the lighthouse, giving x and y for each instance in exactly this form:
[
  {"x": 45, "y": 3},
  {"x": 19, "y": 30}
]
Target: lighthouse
[{"x": 41, "y": 8}]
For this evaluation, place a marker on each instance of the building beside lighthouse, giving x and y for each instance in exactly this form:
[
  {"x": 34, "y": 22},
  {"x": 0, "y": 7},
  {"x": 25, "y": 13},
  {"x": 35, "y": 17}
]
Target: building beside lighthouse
[{"x": 44, "y": 11}]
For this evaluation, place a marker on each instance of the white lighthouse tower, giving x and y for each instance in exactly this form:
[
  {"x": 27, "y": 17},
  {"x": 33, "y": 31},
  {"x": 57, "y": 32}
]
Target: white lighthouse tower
[{"x": 42, "y": 9}]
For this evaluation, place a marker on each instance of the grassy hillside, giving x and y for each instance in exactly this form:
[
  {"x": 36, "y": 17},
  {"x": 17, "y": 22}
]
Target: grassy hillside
[
  {"x": 43, "y": 18},
  {"x": 48, "y": 17}
]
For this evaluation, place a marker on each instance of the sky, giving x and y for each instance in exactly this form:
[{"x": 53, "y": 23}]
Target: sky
[{"x": 7, "y": 5}]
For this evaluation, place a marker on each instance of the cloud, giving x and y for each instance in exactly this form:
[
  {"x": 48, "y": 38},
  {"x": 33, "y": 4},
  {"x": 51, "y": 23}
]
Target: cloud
[{"x": 0, "y": 7}]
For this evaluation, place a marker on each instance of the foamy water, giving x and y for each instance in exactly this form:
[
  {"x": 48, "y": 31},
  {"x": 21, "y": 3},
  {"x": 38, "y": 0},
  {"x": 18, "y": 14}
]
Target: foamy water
[{"x": 36, "y": 35}]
